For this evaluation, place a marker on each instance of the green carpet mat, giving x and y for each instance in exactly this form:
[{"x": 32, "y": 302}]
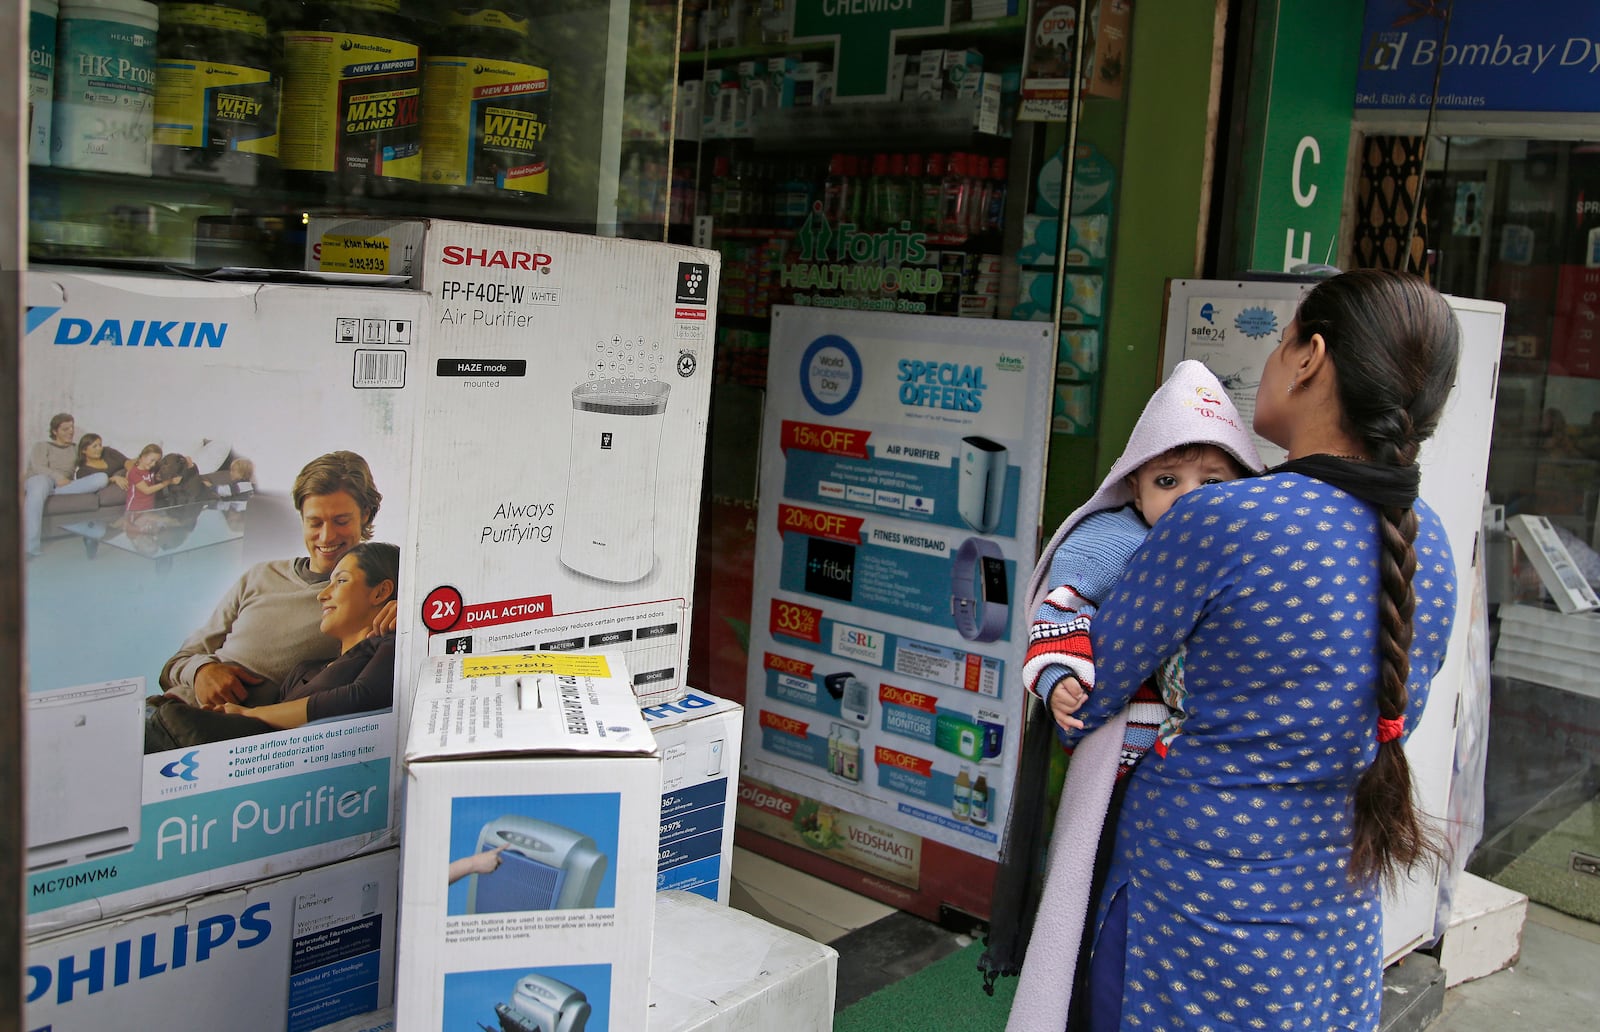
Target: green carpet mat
[
  {"x": 945, "y": 996},
  {"x": 1544, "y": 873}
]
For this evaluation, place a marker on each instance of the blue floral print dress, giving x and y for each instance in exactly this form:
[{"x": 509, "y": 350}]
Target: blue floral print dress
[{"x": 1232, "y": 847}]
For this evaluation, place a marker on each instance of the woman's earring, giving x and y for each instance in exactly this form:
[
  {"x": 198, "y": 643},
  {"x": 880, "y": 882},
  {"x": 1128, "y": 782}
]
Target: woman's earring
[{"x": 1291, "y": 388}]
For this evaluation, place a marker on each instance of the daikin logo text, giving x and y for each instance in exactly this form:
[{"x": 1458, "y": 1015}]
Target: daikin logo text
[{"x": 141, "y": 333}]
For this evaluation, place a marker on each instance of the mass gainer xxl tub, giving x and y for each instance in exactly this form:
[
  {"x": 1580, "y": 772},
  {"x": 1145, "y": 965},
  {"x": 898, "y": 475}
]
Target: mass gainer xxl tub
[{"x": 611, "y": 486}]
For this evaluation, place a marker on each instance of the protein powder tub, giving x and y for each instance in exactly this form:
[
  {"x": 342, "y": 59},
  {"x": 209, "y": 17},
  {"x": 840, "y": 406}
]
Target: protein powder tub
[
  {"x": 106, "y": 86},
  {"x": 486, "y": 106},
  {"x": 218, "y": 80},
  {"x": 41, "y": 77},
  {"x": 352, "y": 99}
]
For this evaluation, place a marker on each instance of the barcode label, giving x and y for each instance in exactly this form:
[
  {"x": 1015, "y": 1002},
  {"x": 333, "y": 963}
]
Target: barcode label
[{"x": 380, "y": 369}]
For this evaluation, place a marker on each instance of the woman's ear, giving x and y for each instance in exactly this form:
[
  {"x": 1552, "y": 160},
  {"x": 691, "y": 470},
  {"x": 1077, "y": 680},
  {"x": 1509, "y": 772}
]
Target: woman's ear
[
  {"x": 1311, "y": 358},
  {"x": 386, "y": 591}
]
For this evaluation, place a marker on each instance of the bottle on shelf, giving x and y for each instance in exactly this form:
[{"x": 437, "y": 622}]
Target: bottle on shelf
[
  {"x": 930, "y": 199},
  {"x": 878, "y": 190},
  {"x": 996, "y": 212},
  {"x": 837, "y": 190},
  {"x": 978, "y": 200},
  {"x": 953, "y": 193},
  {"x": 717, "y": 196},
  {"x": 897, "y": 207},
  {"x": 961, "y": 803},
  {"x": 980, "y": 799},
  {"x": 856, "y": 168},
  {"x": 912, "y": 186}
]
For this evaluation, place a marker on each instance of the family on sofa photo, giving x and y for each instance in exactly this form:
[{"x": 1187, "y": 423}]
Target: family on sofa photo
[
  {"x": 83, "y": 486},
  {"x": 293, "y": 640}
]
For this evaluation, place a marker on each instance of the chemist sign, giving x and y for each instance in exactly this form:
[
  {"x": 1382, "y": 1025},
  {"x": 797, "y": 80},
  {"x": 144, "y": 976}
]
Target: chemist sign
[
  {"x": 866, "y": 30},
  {"x": 1498, "y": 56}
]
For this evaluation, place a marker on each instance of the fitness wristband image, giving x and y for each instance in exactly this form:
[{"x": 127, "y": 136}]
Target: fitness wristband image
[{"x": 980, "y": 598}]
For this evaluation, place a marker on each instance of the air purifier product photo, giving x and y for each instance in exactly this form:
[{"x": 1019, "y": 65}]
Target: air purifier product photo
[
  {"x": 981, "y": 483},
  {"x": 616, "y": 439},
  {"x": 543, "y": 866},
  {"x": 75, "y": 812},
  {"x": 698, "y": 737},
  {"x": 533, "y": 805},
  {"x": 558, "y": 490},
  {"x": 305, "y": 951},
  {"x": 542, "y": 1004},
  {"x": 235, "y": 440}
]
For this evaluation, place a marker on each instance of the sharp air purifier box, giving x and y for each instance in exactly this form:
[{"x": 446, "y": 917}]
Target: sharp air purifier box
[
  {"x": 300, "y": 952},
  {"x": 698, "y": 737},
  {"x": 533, "y": 793},
  {"x": 715, "y": 969},
  {"x": 559, "y": 489},
  {"x": 168, "y": 422}
]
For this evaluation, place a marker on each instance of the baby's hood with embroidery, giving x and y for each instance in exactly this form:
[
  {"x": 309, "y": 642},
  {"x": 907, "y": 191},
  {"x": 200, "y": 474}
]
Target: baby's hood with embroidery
[{"x": 1191, "y": 407}]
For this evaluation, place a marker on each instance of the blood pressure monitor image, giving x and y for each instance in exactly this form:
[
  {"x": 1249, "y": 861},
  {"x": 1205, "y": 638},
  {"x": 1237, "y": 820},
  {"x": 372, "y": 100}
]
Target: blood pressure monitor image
[{"x": 980, "y": 598}]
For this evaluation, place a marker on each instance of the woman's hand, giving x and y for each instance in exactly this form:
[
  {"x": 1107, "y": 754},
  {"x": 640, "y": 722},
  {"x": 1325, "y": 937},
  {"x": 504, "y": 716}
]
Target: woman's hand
[
  {"x": 1066, "y": 698},
  {"x": 238, "y": 710},
  {"x": 384, "y": 620},
  {"x": 121, "y": 481}
]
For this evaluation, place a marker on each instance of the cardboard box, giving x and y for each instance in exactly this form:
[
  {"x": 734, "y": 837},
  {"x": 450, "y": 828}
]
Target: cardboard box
[
  {"x": 250, "y": 382},
  {"x": 295, "y": 953},
  {"x": 698, "y": 737},
  {"x": 532, "y": 808},
  {"x": 559, "y": 489},
  {"x": 714, "y": 969},
  {"x": 1559, "y": 574}
]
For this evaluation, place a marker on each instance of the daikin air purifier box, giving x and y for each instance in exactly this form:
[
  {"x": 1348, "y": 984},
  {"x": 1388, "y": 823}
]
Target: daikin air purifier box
[
  {"x": 559, "y": 479},
  {"x": 698, "y": 737},
  {"x": 300, "y": 952},
  {"x": 202, "y": 457},
  {"x": 533, "y": 794}
]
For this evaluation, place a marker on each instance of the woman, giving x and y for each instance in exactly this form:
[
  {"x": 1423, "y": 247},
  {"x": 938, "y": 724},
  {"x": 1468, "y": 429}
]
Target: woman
[
  {"x": 1243, "y": 889},
  {"x": 94, "y": 457},
  {"x": 359, "y": 680},
  {"x": 267, "y": 622}
]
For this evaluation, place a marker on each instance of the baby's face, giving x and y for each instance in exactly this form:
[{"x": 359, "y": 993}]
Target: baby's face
[{"x": 1165, "y": 479}]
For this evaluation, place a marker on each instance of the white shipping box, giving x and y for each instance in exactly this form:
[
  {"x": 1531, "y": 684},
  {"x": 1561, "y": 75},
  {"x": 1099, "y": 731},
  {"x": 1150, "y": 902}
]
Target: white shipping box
[
  {"x": 715, "y": 969},
  {"x": 532, "y": 807},
  {"x": 698, "y": 737},
  {"x": 241, "y": 387},
  {"x": 558, "y": 491},
  {"x": 294, "y": 953}
]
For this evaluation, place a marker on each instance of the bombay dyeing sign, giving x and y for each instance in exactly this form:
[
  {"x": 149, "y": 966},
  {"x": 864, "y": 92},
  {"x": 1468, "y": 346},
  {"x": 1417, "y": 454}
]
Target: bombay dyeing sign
[
  {"x": 1498, "y": 56},
  {"x": 865, "y": 31}
]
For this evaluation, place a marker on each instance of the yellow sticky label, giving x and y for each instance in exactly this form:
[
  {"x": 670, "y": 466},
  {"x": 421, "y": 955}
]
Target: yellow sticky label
[
  {"x": 353, "y": 254},
  {"x": 569, "y": 664},
  {"x": 211, "y": 16}
]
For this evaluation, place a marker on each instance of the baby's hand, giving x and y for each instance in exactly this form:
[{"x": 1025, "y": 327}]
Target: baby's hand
[{"x": 1065, "y": 700}]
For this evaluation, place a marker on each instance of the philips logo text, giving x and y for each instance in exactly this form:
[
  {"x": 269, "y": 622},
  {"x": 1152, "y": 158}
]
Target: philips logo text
[{"x": 151, "y": 954}]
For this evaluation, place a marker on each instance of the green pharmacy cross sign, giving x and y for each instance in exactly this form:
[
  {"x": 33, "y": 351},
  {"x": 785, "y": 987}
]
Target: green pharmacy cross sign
[{"x": 865, "y": 30}]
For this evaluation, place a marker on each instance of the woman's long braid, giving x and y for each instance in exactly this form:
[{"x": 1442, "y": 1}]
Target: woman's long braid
[
  {"x": 1395, "y": 344},
  {"x": 1390, "y": 836}
]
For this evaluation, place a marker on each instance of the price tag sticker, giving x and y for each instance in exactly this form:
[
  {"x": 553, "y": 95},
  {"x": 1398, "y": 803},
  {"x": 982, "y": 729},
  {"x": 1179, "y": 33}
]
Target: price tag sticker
[
  {"x": 511, "y": 664},
  {"x": 355, "y": 254}
]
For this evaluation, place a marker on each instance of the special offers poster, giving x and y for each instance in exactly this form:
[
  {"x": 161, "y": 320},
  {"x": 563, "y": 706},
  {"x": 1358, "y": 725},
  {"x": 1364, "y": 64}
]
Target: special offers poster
[{"x": 901, "y": 472}]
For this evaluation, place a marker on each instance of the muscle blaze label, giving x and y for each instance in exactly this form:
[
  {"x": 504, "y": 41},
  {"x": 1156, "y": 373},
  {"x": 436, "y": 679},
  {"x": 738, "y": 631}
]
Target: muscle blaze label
[
  {"x": 218, "y": 106},
  {"x": 485, "y": 124},
  {"x": 352, "y": 104}
]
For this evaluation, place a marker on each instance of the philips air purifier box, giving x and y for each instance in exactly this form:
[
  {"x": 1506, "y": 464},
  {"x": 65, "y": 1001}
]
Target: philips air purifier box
[
  {"x": 533, "y": 799},
  {"x": 698, "y": 737},
  {"x": 201, "y": 457},
  {"x": 304, "y": 951},
  {"x": 558, "y": 496}
]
